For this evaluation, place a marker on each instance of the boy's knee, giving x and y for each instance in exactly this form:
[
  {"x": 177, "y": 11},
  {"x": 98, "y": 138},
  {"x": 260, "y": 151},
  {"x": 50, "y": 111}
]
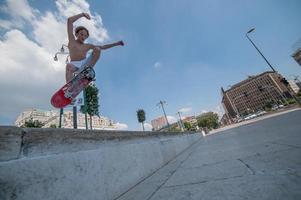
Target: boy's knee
[
  {"x": 70, "y": 68},
  {"x": 96, "y": 51}
]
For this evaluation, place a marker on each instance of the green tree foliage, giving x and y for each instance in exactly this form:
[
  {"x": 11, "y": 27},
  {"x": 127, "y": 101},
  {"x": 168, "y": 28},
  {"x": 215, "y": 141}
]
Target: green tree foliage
[
  {"x": 209, "y": 120},
  {"x": 187, "y": 126},
  {"x": 173, "y": 128},
  {"x": 92, "y": 100},
  {"x": 268, "y": 105},
  {"x": 33, "y": 124},
  {"x": 141, "y": 117},
  {"x": 52, "y": 126},
  {"x": 291, "y": 101}
]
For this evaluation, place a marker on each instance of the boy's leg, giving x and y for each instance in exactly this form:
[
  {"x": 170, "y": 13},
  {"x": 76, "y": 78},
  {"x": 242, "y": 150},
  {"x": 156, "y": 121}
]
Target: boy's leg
[
  {"x": 70, "y": 69},
  {"x": 94, "y": 57}
]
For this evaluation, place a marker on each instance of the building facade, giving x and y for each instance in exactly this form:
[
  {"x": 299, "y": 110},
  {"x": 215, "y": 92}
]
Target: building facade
[
  {"x": 158, "y": 123},
  {"x": 252, "y": 94},
  {"x": 295, "y": 86},
  {"x": 51, "y": 119}
]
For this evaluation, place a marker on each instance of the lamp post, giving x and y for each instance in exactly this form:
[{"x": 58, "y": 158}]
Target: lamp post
[{"x": 251, "y": 30}]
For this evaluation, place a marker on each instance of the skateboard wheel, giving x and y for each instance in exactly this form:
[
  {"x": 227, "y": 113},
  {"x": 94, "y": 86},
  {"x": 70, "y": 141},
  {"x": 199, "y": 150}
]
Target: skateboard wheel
[{"x": 89, "y": 74}]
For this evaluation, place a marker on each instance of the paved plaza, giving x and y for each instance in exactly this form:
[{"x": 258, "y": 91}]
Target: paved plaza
[{"x": 261, "y": 160}]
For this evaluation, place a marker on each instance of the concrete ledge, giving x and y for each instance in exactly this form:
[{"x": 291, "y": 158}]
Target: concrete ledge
[
  {"x": 79, "y": 164},
  {"x": 10, "y": 142}
]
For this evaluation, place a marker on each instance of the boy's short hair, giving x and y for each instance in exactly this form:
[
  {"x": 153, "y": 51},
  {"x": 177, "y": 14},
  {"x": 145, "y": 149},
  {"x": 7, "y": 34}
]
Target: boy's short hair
[{"x": 79, "y": 28}]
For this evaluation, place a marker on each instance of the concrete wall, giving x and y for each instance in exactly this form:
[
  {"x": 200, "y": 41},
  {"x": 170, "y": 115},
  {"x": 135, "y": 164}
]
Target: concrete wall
[{"x": 77, "y": 164}]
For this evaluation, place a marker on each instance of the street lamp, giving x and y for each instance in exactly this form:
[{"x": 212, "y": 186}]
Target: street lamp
[{"x": 251, "y": 30}]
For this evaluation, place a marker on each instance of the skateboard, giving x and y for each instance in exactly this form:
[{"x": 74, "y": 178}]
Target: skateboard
[{"x": 66, "y": 94}]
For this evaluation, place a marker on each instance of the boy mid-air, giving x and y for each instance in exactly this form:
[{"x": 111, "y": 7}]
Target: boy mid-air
[{"x": 78, "y": 49}]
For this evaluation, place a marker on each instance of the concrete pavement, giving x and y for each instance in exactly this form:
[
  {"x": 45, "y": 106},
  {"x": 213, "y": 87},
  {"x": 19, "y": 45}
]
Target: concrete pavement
[{"x": 261, "y": 160}]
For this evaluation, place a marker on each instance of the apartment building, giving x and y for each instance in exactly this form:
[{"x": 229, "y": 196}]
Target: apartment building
[{"x": 253, "y": 93}]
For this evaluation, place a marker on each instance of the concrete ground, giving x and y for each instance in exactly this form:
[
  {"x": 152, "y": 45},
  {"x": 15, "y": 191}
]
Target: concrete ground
[{"x": 261, "y": 160}]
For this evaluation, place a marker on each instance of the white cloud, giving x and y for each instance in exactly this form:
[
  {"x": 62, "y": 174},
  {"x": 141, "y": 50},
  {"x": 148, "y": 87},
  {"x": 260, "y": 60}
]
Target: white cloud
[
  {"x": 19, "y": 11},
  {"x": 20, "y": 8},
  {"x": 219, "y": 110},
  {"x": 121, "y": 126},
  {"x": 185, "y": 110},
  {"x": 49, "y": 32},
  {"x": 28, "y": 73},
  {"x": 148, "y": 127},
  {"x": 157, "y": 65},
  {"x": 5, "y": 24},
  {"x": 95, "y": 26},
  {"x": 171, "y": 119}
]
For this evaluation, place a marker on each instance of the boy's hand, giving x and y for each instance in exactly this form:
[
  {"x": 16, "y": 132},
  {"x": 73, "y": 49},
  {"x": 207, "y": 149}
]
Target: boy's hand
[
  {"x": 86, "y": 15},
  {"x": 121, "y": 43}
]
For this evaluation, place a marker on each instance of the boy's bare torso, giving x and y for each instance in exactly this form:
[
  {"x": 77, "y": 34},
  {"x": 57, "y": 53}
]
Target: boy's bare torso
[{"x": 77, "y": 50}]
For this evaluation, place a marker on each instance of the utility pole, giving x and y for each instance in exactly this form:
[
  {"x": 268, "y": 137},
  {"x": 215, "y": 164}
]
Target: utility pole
[
  {"x": 162, "y": 106},
  {"x": 181, "y": 123}
]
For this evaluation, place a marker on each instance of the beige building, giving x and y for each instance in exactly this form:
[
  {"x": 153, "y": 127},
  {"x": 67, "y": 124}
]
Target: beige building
[
  {"x": 51, "y": 118},
  {"x": 158, "y": 123},
  {"x": 294, "y": 86},
  {"x": 252, "y": 94}
]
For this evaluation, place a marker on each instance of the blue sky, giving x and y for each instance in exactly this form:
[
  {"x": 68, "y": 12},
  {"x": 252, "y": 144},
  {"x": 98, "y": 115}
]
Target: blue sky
[{"x": 179, "y": 51}]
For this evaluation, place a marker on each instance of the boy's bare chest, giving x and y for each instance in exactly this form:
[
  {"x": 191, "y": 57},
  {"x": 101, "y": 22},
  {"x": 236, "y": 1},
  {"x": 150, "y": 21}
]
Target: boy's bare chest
[{"x": 77, "y": 50}]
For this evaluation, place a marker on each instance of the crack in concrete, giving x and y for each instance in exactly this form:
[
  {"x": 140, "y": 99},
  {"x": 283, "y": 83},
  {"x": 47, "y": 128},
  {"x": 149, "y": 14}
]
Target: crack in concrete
[
  {"x": 288, "y": 145},
  {"x": 22, "y": 144},
  {"x": 248, "y": 166},
  {"x": 206, "y": 181},
  {"x": 160, "y": 186},
  {"x": 192, "y": 146}
]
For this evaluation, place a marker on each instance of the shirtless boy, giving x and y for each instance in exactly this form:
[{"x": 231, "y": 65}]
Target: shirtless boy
[{"x": 78, "y": 49}]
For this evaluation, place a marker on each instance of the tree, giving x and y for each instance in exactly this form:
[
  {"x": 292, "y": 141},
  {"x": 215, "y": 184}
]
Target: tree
[
  {"x": 141, "y": 117},
  {"x": 209, "y": 120},
  {"x": 92, "y": 107},
  {"x": 268, "y": 105},
  {"x": 33, "y": 124},
  {"x": 52, "y": 126},
  {"x": 187, "y": 126}
]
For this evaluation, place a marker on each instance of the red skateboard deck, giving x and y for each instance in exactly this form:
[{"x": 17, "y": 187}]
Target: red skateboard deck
[{"x": 65, "y": 95}]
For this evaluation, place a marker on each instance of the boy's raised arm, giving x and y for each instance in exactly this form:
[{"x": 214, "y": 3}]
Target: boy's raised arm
[{"x": 70, "y": 24}]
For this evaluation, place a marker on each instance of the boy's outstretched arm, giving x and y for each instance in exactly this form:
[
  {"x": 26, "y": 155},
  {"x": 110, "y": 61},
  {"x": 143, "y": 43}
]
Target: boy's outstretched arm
[{"x": 107, "y": 46}]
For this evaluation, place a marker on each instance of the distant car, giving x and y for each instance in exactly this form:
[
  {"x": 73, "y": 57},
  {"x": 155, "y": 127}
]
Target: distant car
[
  {"x": 275, "y": 107},
  {"x": 281, "y": 106},
  {"x": 240, "y": 120},
  {"x": 250, "y": 116},
  {"x": 262, "y": 112}
]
